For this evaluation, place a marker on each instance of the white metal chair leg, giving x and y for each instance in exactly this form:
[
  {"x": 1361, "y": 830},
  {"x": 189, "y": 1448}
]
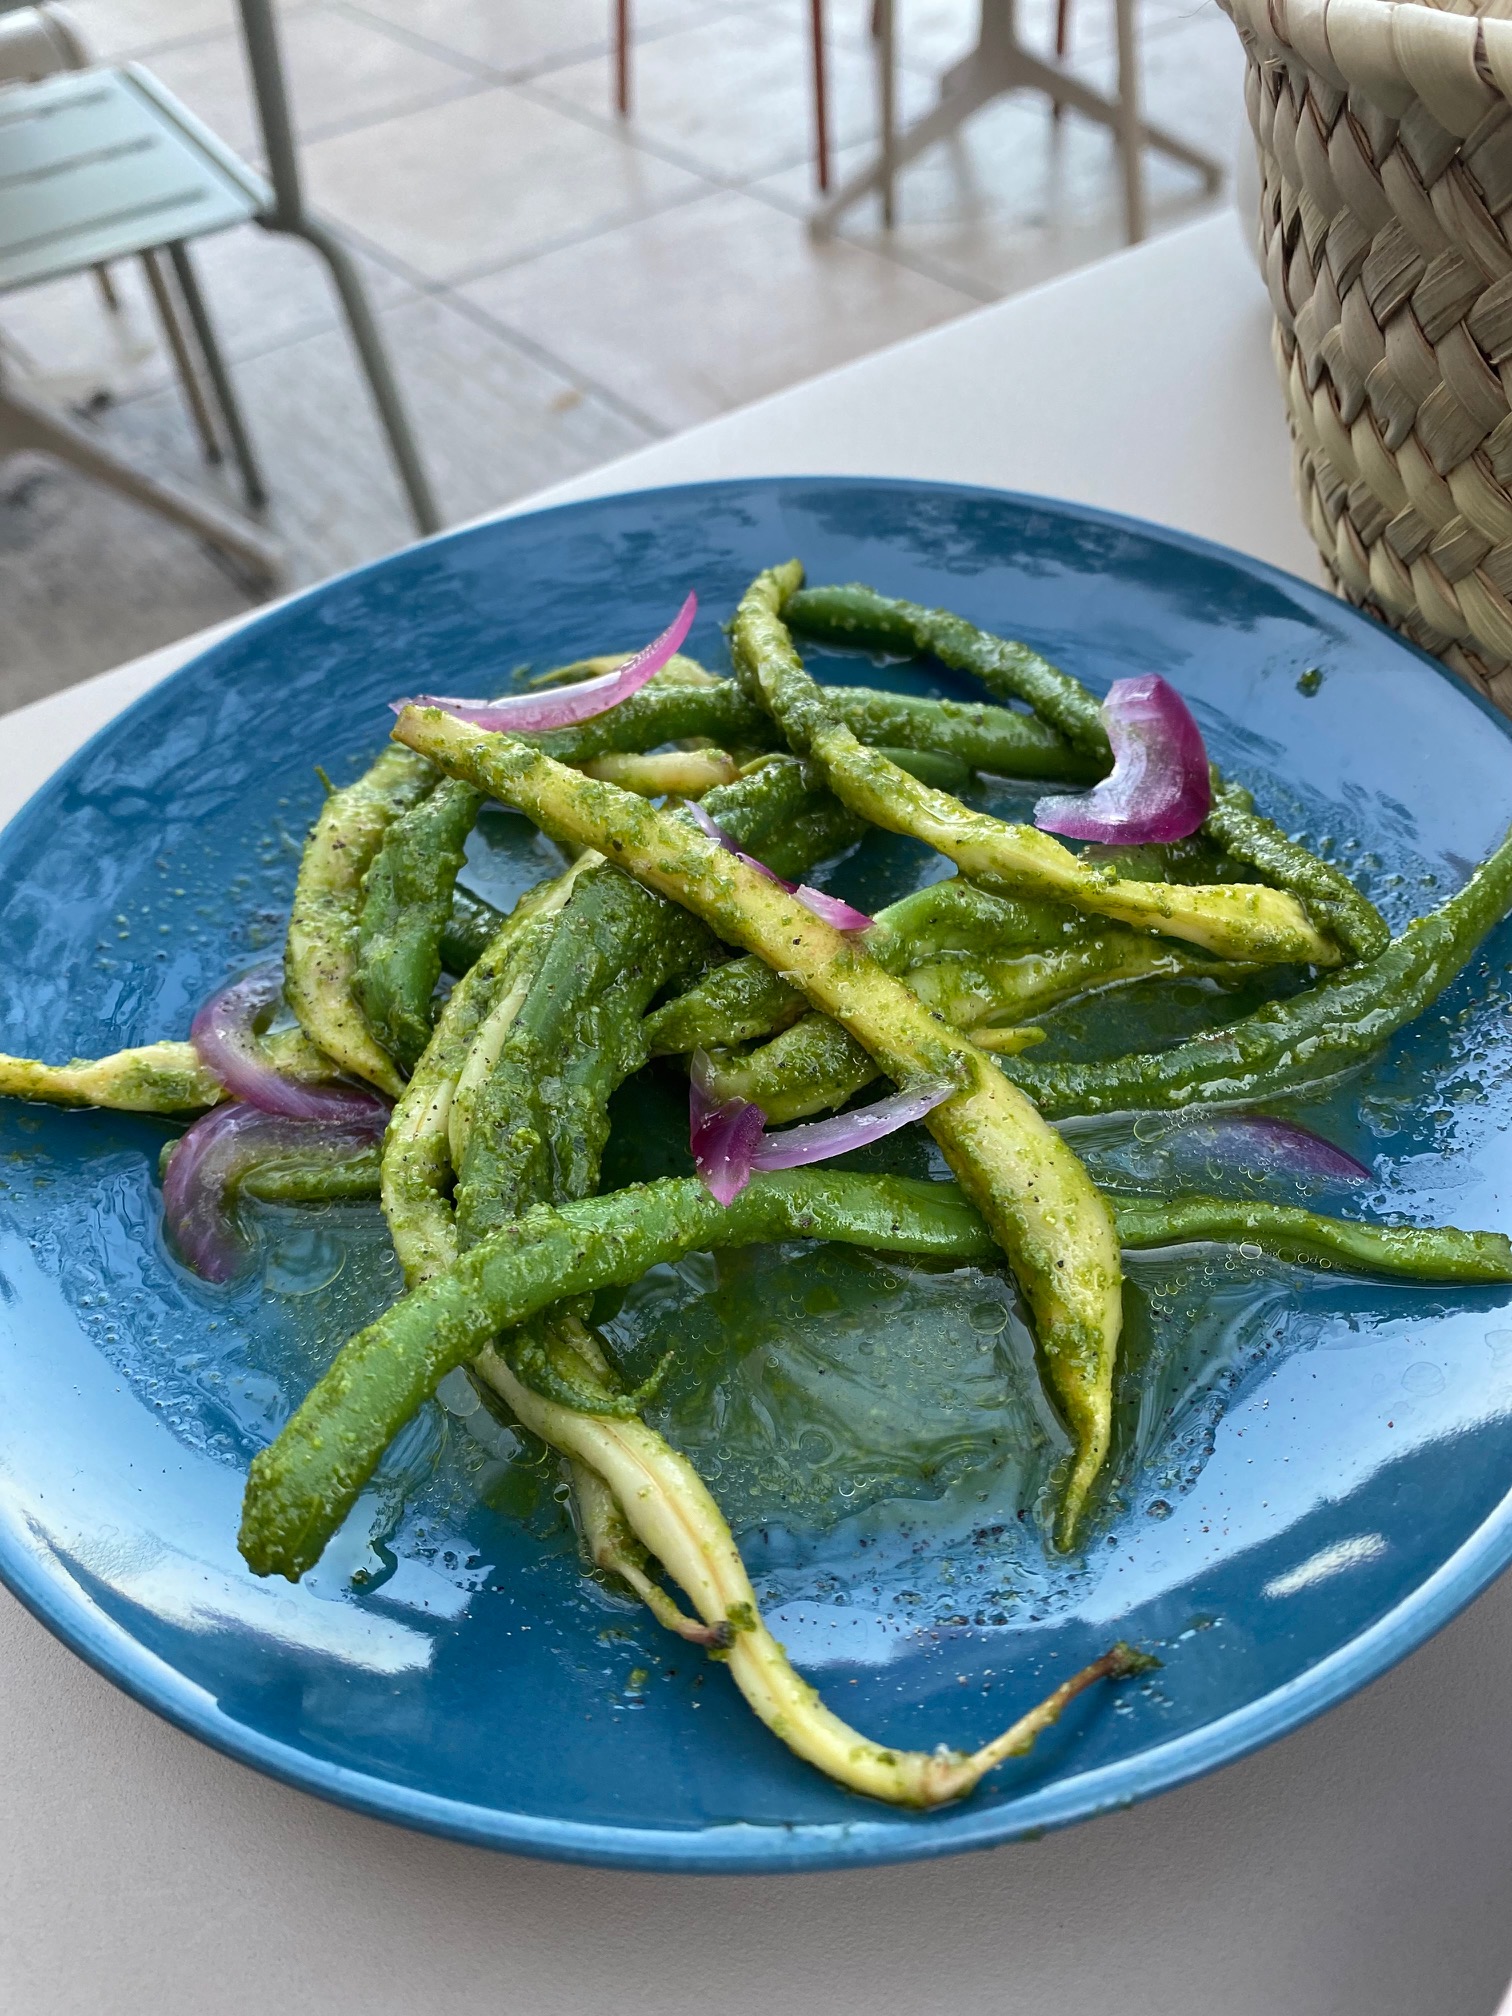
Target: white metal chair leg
[
  {"x": 26, "y": 425},
  {"x": 1127, "y": 128},
  {"x": 887, "y": 108},
  {"x": 183, "y": 360}
]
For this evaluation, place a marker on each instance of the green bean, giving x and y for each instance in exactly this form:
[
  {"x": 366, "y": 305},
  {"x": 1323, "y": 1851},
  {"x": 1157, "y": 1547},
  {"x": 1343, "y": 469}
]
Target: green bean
[
  {"x": 608, "y": 1537},
  {"x": 1289, "y": 1045},
  {"x": 302, "y": 1486},
  {"x": 858, "y": 616},
  {"x": 1332, "y": 900},
  {"x": 617, "y": 937},
  {"x": 417, "y": 1163},
  {"x": 151, "y": 1078},
  {"x": 667, "y": 709},
  {"x": 744, "y": 999},
  {"x": 406, "y": 906},
  {"x": 813, "y": 1065},
  {"x": 968, "y": 992},
  {"x": 470, "y": 925},
  {"x": 685, "y": 773},
  {"x": 995, "y": 739},
  {"x": 541, "y": 1118},
  {"x": 165, "y": 1077},
  {"x": 314, "y": 1179},
  {"x": 672, "y": 1514},
  {"x": 1038, "y": 1198},
  {"x": 1248, "y": 921},
  {"x": 1405, "y": 1252},
  {"x": 321, "y": 953}
]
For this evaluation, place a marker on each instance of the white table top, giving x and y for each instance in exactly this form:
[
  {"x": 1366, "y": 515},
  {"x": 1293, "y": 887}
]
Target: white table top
[{"x": 1358, "y": 1866}]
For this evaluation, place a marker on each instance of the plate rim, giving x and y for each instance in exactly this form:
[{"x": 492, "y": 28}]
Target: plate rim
[{"x": 878, "y": 1836}]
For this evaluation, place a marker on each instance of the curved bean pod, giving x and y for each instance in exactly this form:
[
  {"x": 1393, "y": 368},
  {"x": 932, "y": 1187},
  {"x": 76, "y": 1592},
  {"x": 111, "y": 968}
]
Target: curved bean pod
[
  {"x": 1039, "y": 1200},
  {"x": 872, "y": 622},
  {"x": 813, "y": 1066},
  {"x": 166, "y": 1077},
  {"x": 303, "y": 1485},
  {"x": 470, "y": 924},
  {"x": 406, "y": 906},
  {"x": 744, "y": 999},
  {"x": 320, "y": 956},
  {"x": 1289, "y": 1045},
  {"x": 858, "y": 616},
  {"x": 674, "y": 1516},
  {"x": 150, "y": 1078},
  {"x": 1248, "y": 921}
]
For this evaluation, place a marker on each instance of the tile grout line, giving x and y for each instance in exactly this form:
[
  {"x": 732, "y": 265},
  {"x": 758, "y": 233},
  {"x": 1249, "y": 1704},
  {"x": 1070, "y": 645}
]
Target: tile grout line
[{"x": 446, "y": 294}]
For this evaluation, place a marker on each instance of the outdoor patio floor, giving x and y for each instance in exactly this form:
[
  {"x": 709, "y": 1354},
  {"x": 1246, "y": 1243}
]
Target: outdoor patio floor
[{"x": 557, "y": 287}]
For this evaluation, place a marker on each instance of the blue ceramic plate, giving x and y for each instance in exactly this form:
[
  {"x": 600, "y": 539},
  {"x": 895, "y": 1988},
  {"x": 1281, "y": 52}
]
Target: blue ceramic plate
[{"x": 1311, "y": 1472}]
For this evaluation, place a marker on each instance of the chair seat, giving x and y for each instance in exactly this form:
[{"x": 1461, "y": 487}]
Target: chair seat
[{"x": 98, "y": 165}]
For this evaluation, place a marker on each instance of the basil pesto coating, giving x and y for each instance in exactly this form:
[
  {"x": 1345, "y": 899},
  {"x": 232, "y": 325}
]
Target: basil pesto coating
[
  {"x": 670, "y": 1512},
  {"x": 166, "y": 1077},
  {"x": 859, "y": 616},
  {"x": 1285, "y": 1046},
  {"x": 302, "y": 1487},
  {"x": 744, "y": 999},
  {"x": 406, "y": 907},
  {"x": 1038, "y": 1199},
  {"x": 320, "y": 956},
  {"x": 470, "y": 924},
  {"x": 1248, "y": 921},
  {"x": 813, "y": 1066},
  {"x": 151, "y": 1078}
]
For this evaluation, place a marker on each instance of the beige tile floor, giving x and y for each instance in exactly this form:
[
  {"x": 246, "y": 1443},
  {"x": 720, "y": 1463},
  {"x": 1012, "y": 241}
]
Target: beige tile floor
[{"x": 557, "y": 286}]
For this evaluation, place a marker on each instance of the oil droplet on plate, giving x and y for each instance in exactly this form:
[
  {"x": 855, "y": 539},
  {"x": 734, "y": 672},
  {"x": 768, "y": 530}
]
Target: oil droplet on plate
[{"x": 1423, "y": 1379}]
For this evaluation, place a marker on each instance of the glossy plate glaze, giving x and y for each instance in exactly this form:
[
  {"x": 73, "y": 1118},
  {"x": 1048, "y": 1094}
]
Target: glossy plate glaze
[{"x": 1312, "y": 1473}]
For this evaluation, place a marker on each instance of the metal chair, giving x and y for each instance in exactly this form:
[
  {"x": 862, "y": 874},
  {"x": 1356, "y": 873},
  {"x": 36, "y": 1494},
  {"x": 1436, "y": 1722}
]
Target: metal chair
[
  {"x": 622, "y": 36},
  {"x": 102, "y": 164}
]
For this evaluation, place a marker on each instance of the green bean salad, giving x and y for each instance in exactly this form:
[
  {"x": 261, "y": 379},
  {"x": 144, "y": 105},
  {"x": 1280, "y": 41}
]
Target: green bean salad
[{"x": 460, "y": 1063}]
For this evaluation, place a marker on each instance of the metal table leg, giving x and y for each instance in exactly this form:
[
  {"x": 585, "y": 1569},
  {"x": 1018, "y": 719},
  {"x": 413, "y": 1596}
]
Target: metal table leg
[{"x": 998, "y": 64}]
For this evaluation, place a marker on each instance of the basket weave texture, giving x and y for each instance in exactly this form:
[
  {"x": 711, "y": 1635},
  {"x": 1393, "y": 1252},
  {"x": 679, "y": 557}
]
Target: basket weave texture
[{"x": 1385, "y": 141}]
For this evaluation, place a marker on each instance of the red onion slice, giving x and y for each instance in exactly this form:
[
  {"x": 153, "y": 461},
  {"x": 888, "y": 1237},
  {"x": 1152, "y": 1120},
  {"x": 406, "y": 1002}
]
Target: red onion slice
[
  {"x": 532, "y": 713},
  {"x": 1159, "y": 787},
  {"x": 722, "y": 1133},
  {"x": 831, "y": 910},
  {"x": 818, "y": 1140},
  {"x": 1256, "y": 1144},
  {"x": 729, "y": 1140},
  {"x": 210, "y": 1159},
  {"x": 224, "y": 1035}
]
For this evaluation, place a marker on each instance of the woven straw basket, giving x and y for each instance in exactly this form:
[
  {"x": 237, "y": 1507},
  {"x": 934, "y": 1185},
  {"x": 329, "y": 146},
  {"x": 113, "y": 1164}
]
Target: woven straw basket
[{"x": 1385, "y": 141}]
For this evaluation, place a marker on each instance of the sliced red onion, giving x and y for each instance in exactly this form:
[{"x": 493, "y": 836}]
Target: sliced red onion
[
  {"x": 818, "y": 1140},
  {"x": 729, "y": 1139},
  {"x": 831, "y": 910},
  {"x": 1159, "y": 787},
  {"x": 209, "y": 1161},
  {"x": 722, "y": 1133},
  {"x": 1257, "y": 1144},
  {"x": 532, "y": 713},
  {"x": 224, "y": 1035}
]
